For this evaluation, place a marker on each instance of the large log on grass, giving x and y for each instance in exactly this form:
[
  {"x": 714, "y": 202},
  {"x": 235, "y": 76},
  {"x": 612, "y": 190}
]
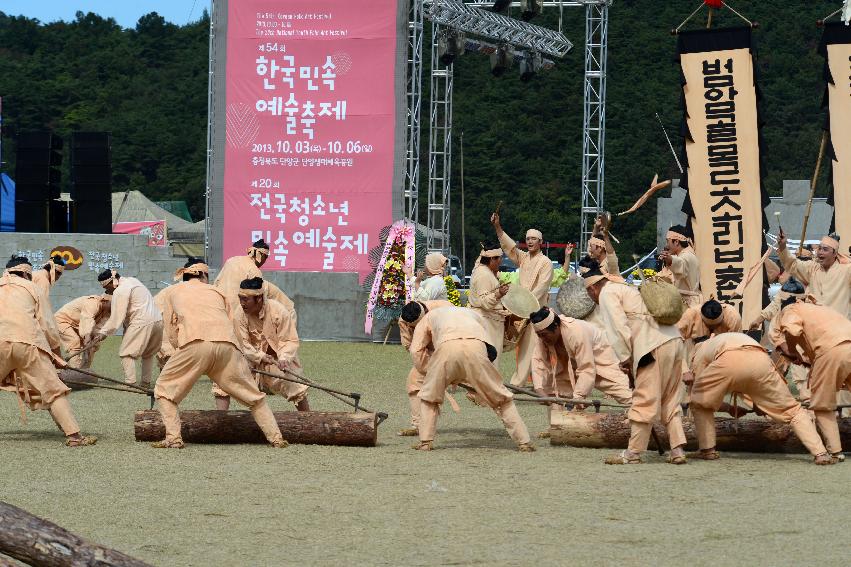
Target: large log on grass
[
  {"x": 81, "y": 381},
  {"x": 611, "y": 430},
  {"x": 305, "y": 427},
  {"x": 36, "y": 541}
]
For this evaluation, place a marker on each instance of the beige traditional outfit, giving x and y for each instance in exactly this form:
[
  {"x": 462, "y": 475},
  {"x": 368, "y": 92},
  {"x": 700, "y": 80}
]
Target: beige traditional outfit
[
  {"x": 536, "y": 275},
  {"x": 27, "y": 344},
  {"x": 166, "y": 350},
  {"x": 448, "y": 347},
  {"x": 199, "y": 326},
  {"x": 657, "y": 355},
  {"x": 734, "y": 362},
  {"x": 272, "y": 332},
  {"x": 434, "y": 286},
  {"x": 583, "y": 351},
  {"x": 486, "y": 302},
  {"x": 826, "y": 341},
  {"x": 831, "y": 287},
  {"x": 78, "y": 321},
  {"x": 45, "y": 278},
  {"x": 415, "y": 377},
  {"x": 800, "y": 374},
  {"x": 239, "y": 268},
  {"x": 133, "y": 309},
  {"x": 684, "y": 271},
  {"x": 609, "y": 264}
]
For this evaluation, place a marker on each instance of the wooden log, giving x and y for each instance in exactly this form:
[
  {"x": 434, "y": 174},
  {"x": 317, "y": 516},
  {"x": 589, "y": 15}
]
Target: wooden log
[
  {"x": 611, "y": 430},
  {"x": 79, "y": 377},
  {"x": 35, "y": 541},
  {"x": 358, "y": 429}
]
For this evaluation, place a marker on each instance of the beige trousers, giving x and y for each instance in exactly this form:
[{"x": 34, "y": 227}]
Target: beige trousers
[
  {"x": 412, "y": 386},
  {"x": 140, "y": 341},
  {"x": 524, "y": 351},
  {"x": 292, "y": 391},
  {"x": 72, "y": 343},
  {"x": 828, "y": 374},
  {"x": 657, "y": 397},
  {"x": 750, "y": 372}
]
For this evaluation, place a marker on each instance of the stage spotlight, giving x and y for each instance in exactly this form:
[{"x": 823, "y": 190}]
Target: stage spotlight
[
  {"x": 450, "y": 45},
  {"x": 530, "y": 65},
  {"x": 501, "y": 60},
  {"x": 529, "y": 9},
  {"x": 501, "y": 5}
]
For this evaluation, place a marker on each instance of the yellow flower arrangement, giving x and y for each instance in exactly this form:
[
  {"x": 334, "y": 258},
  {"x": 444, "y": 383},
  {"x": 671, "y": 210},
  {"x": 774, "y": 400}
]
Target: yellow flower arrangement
[
  {"x": 646, "y": 272},
  {"x": 452, "y": 293}
]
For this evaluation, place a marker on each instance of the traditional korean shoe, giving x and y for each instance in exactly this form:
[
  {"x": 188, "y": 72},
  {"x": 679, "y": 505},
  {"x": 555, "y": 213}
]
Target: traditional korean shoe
[
  {"x": 622, "y": 459},
  {"x": 544, "y": 434},
  {"x": 409, "y": 432},
  {"x": 840, "y": 457},
  {"x": 80, "y": 441},
  {"x": 708, "y": 455},
  {"x": 825, "y": 459},
  {"x": 678, "y": 460},
  {"x": 279, "y": 444},
  {"x": 526, "y": 448},
  {"x": 176, "y": 444},
  {"x": 423, "y": 446}
]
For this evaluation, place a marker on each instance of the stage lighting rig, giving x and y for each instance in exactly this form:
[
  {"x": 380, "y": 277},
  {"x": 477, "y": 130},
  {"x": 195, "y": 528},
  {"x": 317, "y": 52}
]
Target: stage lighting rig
[
  {"x": 530, "y": 65},
  {"x": 501, "y": 60},
  {"x": 529, "y": 9},
  {"x": 450, "y": 45},
  {"x": 501, "y": 5}
]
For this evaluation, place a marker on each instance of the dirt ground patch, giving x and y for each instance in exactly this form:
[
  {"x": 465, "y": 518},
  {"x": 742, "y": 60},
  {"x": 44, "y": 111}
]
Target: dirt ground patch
[{"x": 475, "y": 500}]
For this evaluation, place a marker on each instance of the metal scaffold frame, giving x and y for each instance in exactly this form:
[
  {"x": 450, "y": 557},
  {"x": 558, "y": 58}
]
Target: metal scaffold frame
[{"x": 440, "y": 119}]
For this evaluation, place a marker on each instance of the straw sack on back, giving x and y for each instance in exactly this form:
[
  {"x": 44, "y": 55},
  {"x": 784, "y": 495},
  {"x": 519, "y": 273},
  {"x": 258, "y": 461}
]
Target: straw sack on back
[
  {"x": 572, "y": 299},
  {"x": 662, "y": 300}
]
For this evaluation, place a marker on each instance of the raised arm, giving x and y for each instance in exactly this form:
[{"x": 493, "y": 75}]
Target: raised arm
[{"x": 507, "y": 243}]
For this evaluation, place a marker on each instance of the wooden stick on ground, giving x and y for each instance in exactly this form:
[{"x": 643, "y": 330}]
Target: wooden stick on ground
[{"x": 36, "y": 541}]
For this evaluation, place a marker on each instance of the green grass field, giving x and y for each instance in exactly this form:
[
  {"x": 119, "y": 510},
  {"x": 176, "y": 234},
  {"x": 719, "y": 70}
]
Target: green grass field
[{"x": 475, "y": 500}]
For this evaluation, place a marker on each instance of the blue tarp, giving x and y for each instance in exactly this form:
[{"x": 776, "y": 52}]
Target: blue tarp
[{"x": 7, "y": 203}]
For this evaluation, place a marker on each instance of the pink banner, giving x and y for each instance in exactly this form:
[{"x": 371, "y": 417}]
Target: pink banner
[
  {"x": 154, "y": 230},
  {"x": 310, "y": 130}
]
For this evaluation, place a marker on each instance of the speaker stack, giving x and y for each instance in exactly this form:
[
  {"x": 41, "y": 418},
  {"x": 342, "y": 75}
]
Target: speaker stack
[
  {"x": 37, "y": 178},
  {"x": 91, "y": 182}
]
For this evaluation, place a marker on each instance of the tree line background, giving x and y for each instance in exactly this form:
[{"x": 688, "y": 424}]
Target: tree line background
[{"x": 522, "y": 141}]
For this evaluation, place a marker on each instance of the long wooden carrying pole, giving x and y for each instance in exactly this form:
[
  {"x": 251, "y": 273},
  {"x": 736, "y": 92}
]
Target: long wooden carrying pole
[{"x": 813, "y": 184}]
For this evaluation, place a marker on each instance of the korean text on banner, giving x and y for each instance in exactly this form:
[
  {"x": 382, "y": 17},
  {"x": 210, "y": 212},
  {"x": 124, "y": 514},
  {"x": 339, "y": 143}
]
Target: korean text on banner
[{"x": 309, "y": 130}]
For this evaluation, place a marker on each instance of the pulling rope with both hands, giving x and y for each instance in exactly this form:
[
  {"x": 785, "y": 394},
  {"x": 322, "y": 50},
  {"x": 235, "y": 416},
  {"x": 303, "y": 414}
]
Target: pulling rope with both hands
[{"x": 340, "y": 395}]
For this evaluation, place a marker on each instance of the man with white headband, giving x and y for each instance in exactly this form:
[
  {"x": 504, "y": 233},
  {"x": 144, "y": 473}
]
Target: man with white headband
[
  {"x": 412, "y": 314},
  {"x": 269, "y": 342},
  {"x": 199, "y": 325},
  {"x": 571, "y": 349},
  {"x": 28, "y": 348},
  {"x": 818, "y": 337},
  {"x": 47, "y": 277},
  {"x": 486, "y": 293},
  {"x": 681, "y": 265},
  {"x": 600, "y": 248},
  {"x": 450, "y": 347},
  {"x": 828, "y": 280},
  {"x": 133, "y": 309},
  {"x": 536, "y": 275},
  {"x": 78, "y": 322},
  {"x": 429, "y": 284},
  {"x": 649, "y": 352},
  {"x": 734, "y": 362},
  {"x": 239, "y": 268}
]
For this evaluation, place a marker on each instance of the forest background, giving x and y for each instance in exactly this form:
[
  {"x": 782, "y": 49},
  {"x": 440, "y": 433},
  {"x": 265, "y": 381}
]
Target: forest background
[{"x": 522, "y": 140}]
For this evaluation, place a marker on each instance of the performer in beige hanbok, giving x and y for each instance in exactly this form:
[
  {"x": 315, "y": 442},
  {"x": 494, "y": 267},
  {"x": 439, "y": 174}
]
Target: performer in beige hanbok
[
  {"x": 28, "y": 347},
  {"x": 450, "y": 347},
  {"x": 45, "y": 278},
  {"x": 820, "y": 337},
  {"x": 269, "y": 341},
  {"x": 486, "y": 293},
  {"x": 572, "y": 357},
  {"x": 413, "y": 313},
  {"x": 681, "y": 265},
  {"x": 239, "y": 268},
  {"x": 78, "y": 322},
  {"x": 133, "y": 309},
  {"x": 166, "y": 349},
  {"x": 734, "y": 362},
  {"x": 429, "y": 283},
  {"x": 652, "y": 354},
  {"x": 199, "y": 325},
  {"x": 536, "y": 275}
]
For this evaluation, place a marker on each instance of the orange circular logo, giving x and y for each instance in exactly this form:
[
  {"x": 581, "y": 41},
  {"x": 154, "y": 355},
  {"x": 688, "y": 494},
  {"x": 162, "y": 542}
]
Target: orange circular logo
[{"x": 73, "y": 257}]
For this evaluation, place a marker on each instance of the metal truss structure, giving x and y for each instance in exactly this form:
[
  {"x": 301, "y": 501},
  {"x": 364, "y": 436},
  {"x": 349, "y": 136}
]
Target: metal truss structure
[
  {"x": 474, "y": 18},
  {"x": 415, "y": 76}
]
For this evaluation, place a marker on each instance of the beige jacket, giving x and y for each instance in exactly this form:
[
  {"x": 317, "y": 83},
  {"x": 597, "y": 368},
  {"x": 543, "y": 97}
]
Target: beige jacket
[
  {"x": 485, "y": 303},
  {"x": 536, "y": 272},
  {"x": 24, "y": 317},
  {"x": 830, "y": 287},
  {"x": 195, "y": 311},
  {"x": 440, "y": 326},
  {"x": 406, "y": 330},
  {"x": 83, "y": 314},
  {"x": 272, "y": 332},
  {"x": 132, "y": 306}
]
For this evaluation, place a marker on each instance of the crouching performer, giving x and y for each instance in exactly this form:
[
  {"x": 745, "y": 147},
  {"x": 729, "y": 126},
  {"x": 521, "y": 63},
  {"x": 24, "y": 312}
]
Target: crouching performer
[
  {"x": 734, "y": 362},
  {"x": 269, "y": 343},
  {"x": 450, "y": 347},
  {"x": 27, "y": 351},
  {"x": 78, "y": 322},
  {"x": 199, "y": 325}
]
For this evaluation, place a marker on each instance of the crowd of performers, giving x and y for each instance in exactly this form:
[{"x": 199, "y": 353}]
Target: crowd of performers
[{"x": 240, "y": 331}]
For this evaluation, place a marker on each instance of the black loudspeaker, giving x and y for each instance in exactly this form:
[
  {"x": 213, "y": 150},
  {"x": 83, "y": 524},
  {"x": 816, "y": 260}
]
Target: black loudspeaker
[
  {"x": 91, "y": 182},
  {"x": 38, "y": 178}
]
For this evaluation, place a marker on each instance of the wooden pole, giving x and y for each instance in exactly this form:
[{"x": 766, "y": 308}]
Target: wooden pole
[
  {"x": 709, "y": 19},
  {"x": 611, "y": 430},
  {"x": 35, "y": 541},
  {"x": 463, "y": 232},
  {"x": 813, "y": 184},
  {"x": 359, "y": 429}
]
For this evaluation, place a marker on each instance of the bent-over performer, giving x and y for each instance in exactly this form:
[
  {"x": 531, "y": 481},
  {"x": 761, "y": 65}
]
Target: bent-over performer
[
  {"x": 450, "y": 347},
  {"x": 200, "y": 328},
  {"x": 27, "y": 351},
  {"x": 269, "y": 342},
  {"x": 239, "y": 268},
  {"x": 78, "y": 322}
]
